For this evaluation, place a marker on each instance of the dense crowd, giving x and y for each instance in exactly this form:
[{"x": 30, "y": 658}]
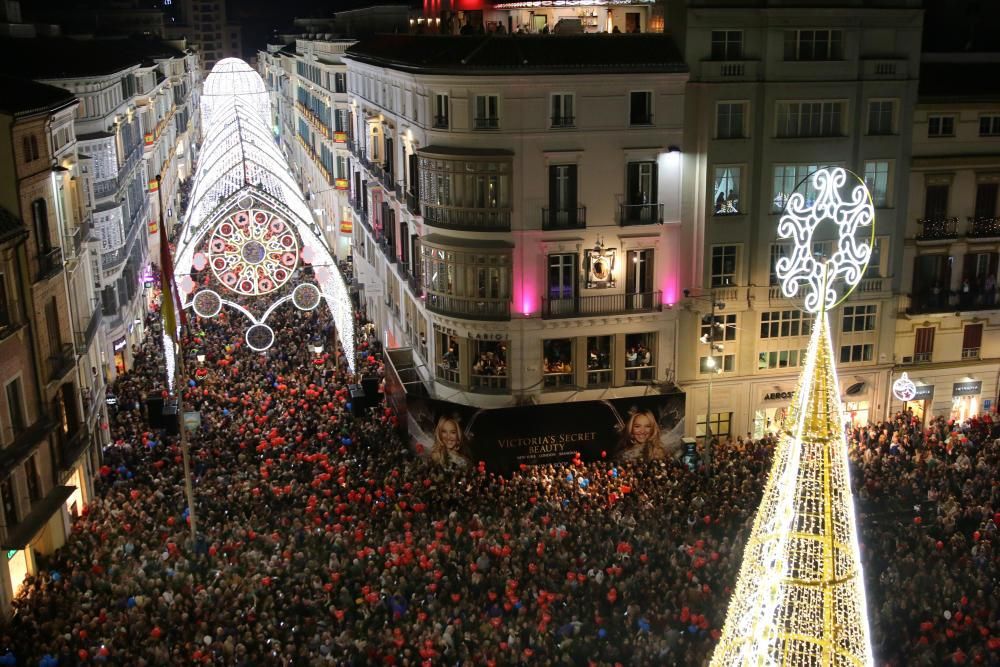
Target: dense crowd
[{"x": 324, "y": 541}]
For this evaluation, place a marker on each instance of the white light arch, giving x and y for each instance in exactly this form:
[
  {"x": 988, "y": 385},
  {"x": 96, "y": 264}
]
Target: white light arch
[{"x": 241, "y": 169}]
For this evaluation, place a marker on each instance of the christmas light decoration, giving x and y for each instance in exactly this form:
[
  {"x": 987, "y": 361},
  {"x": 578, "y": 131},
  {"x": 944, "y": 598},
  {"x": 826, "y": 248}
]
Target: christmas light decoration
[
  {"x": 800, "y": 598},
  {"x": 904, "y": 388},
  {"x": 248, "y": 222}
]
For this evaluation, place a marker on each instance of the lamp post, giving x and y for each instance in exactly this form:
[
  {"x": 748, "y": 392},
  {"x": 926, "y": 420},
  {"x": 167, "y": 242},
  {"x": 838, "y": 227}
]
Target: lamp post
[{"x": 711, "y": 339}]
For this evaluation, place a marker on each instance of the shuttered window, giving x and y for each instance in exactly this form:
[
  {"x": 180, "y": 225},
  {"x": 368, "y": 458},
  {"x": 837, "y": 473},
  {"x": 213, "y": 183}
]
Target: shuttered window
[
  {"x": 923, "y": 348},
  {"x": 972, "y": 340}
]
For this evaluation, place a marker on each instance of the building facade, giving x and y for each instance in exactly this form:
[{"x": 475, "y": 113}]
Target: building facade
[
  {"x": 53, "y": 416},
  {"x": 516, "y": 222},
  {"x": 206, "y": 26},
  {"x": 946, "y": 331},
  {"x": 775, "y": 93}
]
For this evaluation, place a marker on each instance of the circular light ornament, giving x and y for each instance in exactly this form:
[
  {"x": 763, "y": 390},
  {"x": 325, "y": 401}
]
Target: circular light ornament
[
  {"x": 260, "y": 337},
  {"x": 306, "y": 296},
  {"x": 827, "y": 195},
  {"x": 253, "y": 252},
  {"x": 904, "y": 389},
  {"x": 207, "y": 303}
]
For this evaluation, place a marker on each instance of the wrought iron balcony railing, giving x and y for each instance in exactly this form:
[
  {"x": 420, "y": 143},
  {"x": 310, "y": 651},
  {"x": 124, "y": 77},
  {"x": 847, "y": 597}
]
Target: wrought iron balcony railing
[
  {"x": 603, "y": 304},
  {"x": 564, "y": 218}
]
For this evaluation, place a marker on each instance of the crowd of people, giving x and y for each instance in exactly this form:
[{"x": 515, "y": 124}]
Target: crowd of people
[{"x": 323, "y": 539}]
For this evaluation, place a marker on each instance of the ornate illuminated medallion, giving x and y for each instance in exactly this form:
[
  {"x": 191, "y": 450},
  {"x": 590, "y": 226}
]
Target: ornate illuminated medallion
[
  {"x": 252, "y": 252},
  {"x": 800, "y": 597}
]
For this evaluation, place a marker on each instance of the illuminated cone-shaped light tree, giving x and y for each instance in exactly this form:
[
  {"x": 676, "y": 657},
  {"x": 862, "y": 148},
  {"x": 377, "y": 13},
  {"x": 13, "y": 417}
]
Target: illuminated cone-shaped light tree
[{"x": 800, "y": 597}]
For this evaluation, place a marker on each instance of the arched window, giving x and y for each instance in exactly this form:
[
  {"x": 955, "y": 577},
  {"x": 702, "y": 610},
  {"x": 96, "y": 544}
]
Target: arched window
[{"x": 40, "y": 215}]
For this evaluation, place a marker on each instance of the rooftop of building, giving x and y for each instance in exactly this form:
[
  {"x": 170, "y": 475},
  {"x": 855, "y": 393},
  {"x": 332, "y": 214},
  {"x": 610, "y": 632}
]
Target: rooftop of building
[
  {"x": 65, "y": 57},
  {"x": 959, "y": 77},
  {"x": 23, "y": 97},
  {"x": 522, "y": 54}
]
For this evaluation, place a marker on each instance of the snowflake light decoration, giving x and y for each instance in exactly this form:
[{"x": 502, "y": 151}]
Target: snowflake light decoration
[
  {"x": 253, "y": 252},
  {"x": 799, "y": 221}
]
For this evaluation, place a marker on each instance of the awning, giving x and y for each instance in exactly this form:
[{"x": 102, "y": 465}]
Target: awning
[{"x": 20, "y": 536}]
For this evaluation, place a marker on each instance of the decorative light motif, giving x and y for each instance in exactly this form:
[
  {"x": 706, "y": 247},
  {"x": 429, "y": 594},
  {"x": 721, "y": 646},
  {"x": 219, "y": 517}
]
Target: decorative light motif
[
  {"x": 799, "y": 221},
  {"x": 253, "y": 252},
  {"x": 904, "y": 388},
  {"x": 800, "y": 597},
  {"x": 242, "y": 171}
]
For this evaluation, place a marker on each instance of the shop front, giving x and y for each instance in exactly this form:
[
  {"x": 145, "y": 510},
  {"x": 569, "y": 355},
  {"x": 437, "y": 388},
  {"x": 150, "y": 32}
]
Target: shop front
[
  {"x": 966, "y": 399},
  {"x": 771, "y": 410},
  {"x": 120, "y": 349},
  {"x": 856, "y": 394},
  {"x": 914, "y": 395}
]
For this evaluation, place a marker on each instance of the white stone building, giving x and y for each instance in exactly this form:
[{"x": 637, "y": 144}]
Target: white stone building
[
  {"x": 775, "y": 92},
  {"x": 946, "y": 331}
]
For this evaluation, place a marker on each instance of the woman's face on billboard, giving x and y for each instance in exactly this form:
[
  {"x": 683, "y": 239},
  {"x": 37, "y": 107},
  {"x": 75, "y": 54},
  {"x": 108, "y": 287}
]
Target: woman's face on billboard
[
  {"x": 642, "y": 429},
  {"x": 449, "y": 434}
]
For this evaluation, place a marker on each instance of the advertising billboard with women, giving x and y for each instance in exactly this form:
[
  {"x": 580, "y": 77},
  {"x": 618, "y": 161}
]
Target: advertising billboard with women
[{"x": 644, "y": 427}]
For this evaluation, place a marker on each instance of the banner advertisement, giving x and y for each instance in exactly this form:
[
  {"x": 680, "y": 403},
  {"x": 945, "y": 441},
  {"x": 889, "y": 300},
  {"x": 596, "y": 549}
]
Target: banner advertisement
[{"x": 643, "y": 427}]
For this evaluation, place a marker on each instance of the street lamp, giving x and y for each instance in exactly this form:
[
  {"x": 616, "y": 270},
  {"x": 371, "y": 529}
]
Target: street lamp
[{"x": 714, "y": 338}]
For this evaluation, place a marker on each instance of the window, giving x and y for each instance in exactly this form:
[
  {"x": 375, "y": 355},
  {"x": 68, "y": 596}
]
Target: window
[
  {"x": 487, "y": 112},
  {"x": 34, "y": 482},
  {"x": 15, "y": 406},
  {"x": 727, "y": 191},
  {"x": 641, "y": 204},
  {"x": 448, "y": 368},
  {"x": 489, "y": 367},
  {"x": 778, "y": 250},
  {"x": 562, "y": 276},
  {"x": 557, "y": 363},
  {"x": 717, "y": 364},
  {"x": 972, "y": 341},
  {"x": 874, "y": 268},
  {"x": 784, "y": 324},
  {"x": 936, "y": 202},
  {"x": 562, "y": 195},
  {"x": 339, "y": 82},
  {"x": 718, "y": 424},
  {"x": 39, "y": 212},
  {"x": 640, "y": 357},
  {"x": 810, "y": 119},
  {"x": 599, "y": 370},
  {"x": 639, "y": 278},
  {"x": 940, "y": 126},
  {"x": 859, "y": 318},
  {"x": 727, "y": 44},
  {"x": 923, "y": 344},
  {"x": 441, "y": 111},
  {"x": 986, "y": 200},
  {"x": 880, "y": 117},
  {"x": 725, "y": 329},
  {"x": 5, "y": 314},
  {"x": 989, "y": 126},
  {"x": 877, "y": 180},
  {"x": 465, "y": 193},
  {"x": 855, "y": 353},
  {"x": 814, "y": 45},
  {"x": 563, "y": 110},
  {"x": 786, "y": 178},
  {"x": 780, "y": 359},
  {"x": 723, "y": 265},
  {"x": 729, "y": 120},
  {"x": 9, "y": 501},
  {"x": 466, "y": 281},
  {"x": 640, "y": 110}
]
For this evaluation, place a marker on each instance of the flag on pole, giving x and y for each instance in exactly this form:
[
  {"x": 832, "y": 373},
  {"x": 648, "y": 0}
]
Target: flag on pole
[{"x": 169, "y": 302}]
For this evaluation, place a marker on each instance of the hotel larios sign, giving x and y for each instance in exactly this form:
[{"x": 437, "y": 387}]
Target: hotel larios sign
[{"x": 471, "y": 335}]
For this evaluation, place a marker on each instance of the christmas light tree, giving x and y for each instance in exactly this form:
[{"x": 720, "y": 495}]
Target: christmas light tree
[{"x": 800, "y": 597}]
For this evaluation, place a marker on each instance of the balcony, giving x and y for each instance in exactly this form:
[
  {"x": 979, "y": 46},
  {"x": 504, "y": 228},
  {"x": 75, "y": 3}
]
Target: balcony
[
  {"x": 471, "y": 308},
  {"x": 564, "y": 218},
  {"x": 413, "y": 202},
  {"x": 26, "y": 441},
  {"x": 984, "y": 228},
  {"x": 85, "y": 337},
  {"x": 604, "y": 304},
  {"x": 729, "y": 70},
  {"x": 440, "y": 122},
  {"x": 924, "y": 303},
  {"x": 74, "y": 240},
  {"x": 61, "y": 362},
  {"x": 388, "y": 250},
  {"x": 467, "y": 219},
  {"x": 640, "y": 214},
  {"x": 937, "y": 229},
  {"x": 447, "y": 373},
  {"x": 563, "y": 121},
  {"x": 489, "y": 384},
  {"x": 49, "y": 264},
  {"x": 72, "y": 446},
  {"x": 882, "y": 68},
  {"x": 488, "y": 123}
]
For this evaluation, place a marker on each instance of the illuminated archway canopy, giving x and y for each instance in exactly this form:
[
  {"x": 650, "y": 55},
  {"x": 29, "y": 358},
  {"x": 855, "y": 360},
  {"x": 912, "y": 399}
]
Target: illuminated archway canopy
[{"x": 248, "y": 240}]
